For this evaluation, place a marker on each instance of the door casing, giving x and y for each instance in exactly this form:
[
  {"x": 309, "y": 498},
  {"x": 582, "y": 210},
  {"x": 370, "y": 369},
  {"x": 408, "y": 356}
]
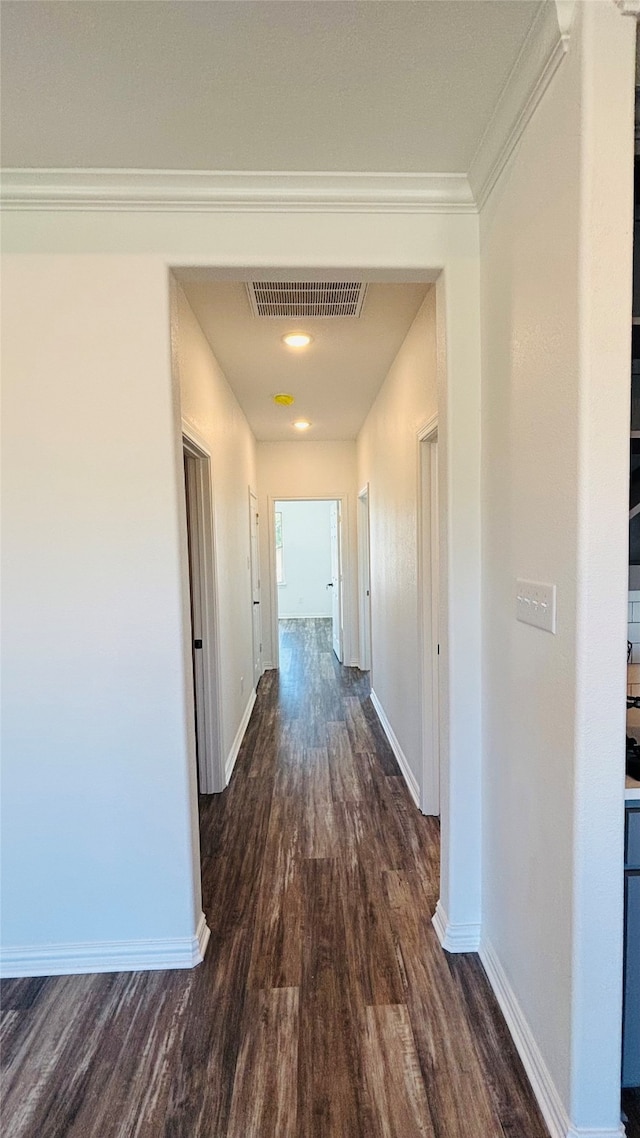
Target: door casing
[
  {"x": 207, "y": 694},
  {"x": 364, "y": 580},
  {"x": 429, "y": 601},
  {"x": 254, "y": 556}
]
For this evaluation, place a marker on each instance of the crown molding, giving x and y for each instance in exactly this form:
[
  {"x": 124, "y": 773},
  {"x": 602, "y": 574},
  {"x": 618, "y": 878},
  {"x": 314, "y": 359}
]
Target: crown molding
[
  {"x": 541, "y": 54},
  {"x": 196, "y": 191}
]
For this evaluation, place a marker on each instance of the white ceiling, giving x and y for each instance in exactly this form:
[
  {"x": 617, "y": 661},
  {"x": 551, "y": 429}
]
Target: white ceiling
[
  {"x": 306, "y": 85},
  {"x": 334, "y": 380}
]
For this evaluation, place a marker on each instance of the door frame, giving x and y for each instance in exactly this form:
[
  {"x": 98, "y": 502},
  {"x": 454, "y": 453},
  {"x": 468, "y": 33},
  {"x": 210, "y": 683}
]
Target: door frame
[
  {"x": 364, "y": 579},
  {"x": 345, "y": 597},
  {"x": 210, "y": 750},
  {"x": 429, "y": 624},
  {"x": 253, "y": 498}
]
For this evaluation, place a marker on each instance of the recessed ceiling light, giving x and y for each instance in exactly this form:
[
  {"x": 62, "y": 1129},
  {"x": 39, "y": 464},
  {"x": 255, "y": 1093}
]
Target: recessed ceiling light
[
  {"x": 283, "y": 399},
  {"x": 297, "y": 339},
  {"x": 302, "y": 424}
]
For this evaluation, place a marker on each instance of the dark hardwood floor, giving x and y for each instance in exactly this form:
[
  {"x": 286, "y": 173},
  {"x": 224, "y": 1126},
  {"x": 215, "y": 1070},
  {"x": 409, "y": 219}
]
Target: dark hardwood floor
[{"x": 325, "y": 1007}]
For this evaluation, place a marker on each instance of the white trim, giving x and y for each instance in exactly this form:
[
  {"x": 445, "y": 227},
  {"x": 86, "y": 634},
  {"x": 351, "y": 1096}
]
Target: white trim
[
  {"x": 255, "y": 571},
  {"x": 428, "y": 531},
  {"x": 106, "y": 956},
  {"x": 216, "y": 191},
  {"x": 429, "y": 428},
  {"x": 212, "y": 777},
  {"x": 363, "y": 535},
  {"x": 407, "y": 773},
  {"x": 239, "y": 736},
  {"x": 455, "y": 938},
  {"x": 541, "y": 54},
  {"x": 542, "y": 1084}
]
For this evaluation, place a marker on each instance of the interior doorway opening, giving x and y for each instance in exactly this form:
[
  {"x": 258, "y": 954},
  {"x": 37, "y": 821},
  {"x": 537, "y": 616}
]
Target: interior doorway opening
[{"x": 308, "y": 564}]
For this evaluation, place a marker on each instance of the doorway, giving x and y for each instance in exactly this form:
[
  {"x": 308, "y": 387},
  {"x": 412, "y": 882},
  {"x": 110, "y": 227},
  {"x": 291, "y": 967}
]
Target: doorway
[
  {"x": 308, "y": 572},
  {"x": 429, "y": 593},
  {"x": 204, "y": 639}
]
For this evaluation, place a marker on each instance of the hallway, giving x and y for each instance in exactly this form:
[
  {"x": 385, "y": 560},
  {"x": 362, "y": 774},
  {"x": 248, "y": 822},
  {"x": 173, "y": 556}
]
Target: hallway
[{"x": 325, "y": 1007}]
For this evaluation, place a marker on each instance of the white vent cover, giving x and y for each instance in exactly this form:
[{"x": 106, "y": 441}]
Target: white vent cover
[{"x": 306, "y": 298}]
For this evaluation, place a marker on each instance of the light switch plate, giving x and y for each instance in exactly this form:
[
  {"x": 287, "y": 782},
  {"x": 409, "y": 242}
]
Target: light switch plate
[{"x": 536, "y": 604}]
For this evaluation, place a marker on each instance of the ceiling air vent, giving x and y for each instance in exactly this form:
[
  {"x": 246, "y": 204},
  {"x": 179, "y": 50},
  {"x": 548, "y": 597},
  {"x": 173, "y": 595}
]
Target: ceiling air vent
[{"x": 306, "y": 298}]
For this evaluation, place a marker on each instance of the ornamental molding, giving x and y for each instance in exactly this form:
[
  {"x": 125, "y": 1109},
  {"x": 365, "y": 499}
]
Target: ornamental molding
[{"x": 201, "y": 191}]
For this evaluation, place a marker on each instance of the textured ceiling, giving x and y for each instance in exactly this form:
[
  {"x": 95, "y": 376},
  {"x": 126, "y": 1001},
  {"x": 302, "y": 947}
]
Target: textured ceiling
[
  {"x": 374, "y": 85},
  {"x": 334, "y": 380}
]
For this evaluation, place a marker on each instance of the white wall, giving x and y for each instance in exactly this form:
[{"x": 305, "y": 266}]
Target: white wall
[
  {"x": 556, "y": 306},
  {"x": 211, "y": 410},
  {"x": 98, "y": 791},
  {"x": 388, "y": 460},
  {"x": 306, "y": 541},
  {"x": 308, "y": 470}
]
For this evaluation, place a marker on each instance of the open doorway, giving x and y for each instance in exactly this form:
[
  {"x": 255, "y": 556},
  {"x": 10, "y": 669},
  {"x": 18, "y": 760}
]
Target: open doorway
[{"x": 307, "y": 539}]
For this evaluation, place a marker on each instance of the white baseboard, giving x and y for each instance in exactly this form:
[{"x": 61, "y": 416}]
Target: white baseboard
[
  {"x": 455, "y": 938},
  {"x": 237, "y": 742},
  {"x": 409, "y": 777},
  {"x": 106, "y": 956},
  {"x": 542, "y": 1084}
]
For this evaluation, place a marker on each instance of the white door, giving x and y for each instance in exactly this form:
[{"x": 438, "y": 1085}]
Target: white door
[
  {"x": 255, "y": 588},
  {"x": 336, "y": 578}
]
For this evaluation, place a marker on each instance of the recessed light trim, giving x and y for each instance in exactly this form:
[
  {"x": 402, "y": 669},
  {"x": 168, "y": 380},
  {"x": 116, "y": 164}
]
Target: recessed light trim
[
  {"x": 297, "y": 339},
  {"x": 302, "y": 424}
]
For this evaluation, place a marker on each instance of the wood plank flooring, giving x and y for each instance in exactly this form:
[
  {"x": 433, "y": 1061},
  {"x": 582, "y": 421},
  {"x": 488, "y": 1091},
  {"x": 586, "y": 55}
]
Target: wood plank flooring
[{"x": 325, "y": 1007}]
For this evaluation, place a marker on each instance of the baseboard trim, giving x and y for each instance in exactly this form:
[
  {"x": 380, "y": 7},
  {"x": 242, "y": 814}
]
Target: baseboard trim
[
  {"x": 542, "y": 1084},
  {"x": 106, "y": 956},
  {"x": 237, "y": 742},
  {"x": 455, "y": 938},
  {"x": 408, "y": 775}
]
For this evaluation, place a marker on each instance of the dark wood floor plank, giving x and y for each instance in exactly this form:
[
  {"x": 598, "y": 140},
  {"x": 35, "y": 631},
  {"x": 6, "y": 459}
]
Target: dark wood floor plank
[
  {"x": 325, "y": 1007},
  {"x": 394, "y": 1079},
  {"x": 319, "y": 823},
  {"x": 441, "y": 1028},
  {"x": 370, "y": 950},
  {"x": 265, "y": 1098},
  {"x": 203, "y": 1073},
  {"x": 332, "y": 1094},
  {"x": 276, "y": 959},
  {"x": 500, "y": 1062},
  {"x": 346, "y": 772}
]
